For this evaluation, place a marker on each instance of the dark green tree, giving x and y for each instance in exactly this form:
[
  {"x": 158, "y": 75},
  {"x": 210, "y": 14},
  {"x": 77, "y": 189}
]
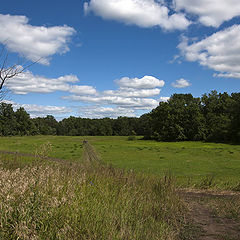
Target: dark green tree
[
  {"x": 8, "y": 122},
  {"x": 178, "y": 119},
  {"x": 217, "y": 112},
  {"x": 25, "y": 125},
  {"x": 235, "y": 118}
]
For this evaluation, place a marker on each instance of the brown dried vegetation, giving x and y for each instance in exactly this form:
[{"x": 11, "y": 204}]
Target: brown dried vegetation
[{"x": 45, "y": 200}]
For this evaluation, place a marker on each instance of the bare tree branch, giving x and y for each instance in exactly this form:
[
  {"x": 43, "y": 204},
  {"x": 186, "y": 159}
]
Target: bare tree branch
[{"x": 8, "y": 71}]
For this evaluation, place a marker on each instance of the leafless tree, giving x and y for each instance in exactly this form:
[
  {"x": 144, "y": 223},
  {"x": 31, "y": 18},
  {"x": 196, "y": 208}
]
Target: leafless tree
[{"x": 8, "y": 71}]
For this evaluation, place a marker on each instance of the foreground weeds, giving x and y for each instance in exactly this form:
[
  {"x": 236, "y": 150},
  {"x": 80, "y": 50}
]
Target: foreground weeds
[
  {"x": 86, "y": 201},
  {"x": 225, "y": 206}
]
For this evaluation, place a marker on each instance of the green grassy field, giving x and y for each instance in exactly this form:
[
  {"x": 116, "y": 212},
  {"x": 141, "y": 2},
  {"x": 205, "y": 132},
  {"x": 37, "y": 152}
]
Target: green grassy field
[
  {"x": 42, "y": 199},
  {"x": 192, "y": 163},
  {"x": 81, "y": 197}
]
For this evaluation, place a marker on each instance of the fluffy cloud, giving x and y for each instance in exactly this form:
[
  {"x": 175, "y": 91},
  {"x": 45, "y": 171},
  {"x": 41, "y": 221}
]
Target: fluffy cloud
[
  {"x": 136, "y": 103},
  {"x": 220, "y": 52},
  {"x": 143, "y": 13},
  {"x": 39, "y": 110},
  {"x": 101, "y": 112},
  {"x": 147, "y": 82},
  {"x": 164, "y": 99},
  {"x": 210, "y": 12},
  {"x": 27, "y": 82},
  {"x": 133, "y": 93},
  {"x": 181, "y": 83},
  {"x": 33, "y": 42},
  {"x": 82, "y": 90}
]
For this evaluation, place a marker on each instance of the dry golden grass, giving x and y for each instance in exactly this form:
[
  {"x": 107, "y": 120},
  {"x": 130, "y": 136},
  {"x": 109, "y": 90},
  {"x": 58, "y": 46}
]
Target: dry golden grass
[{"x": 86, "y": 201}]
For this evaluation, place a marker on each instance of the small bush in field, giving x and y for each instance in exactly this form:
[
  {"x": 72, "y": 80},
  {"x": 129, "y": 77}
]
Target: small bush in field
[{"x": 131, "y": 138}]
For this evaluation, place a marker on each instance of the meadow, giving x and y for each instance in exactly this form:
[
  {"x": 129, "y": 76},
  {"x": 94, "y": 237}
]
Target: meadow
[
  {"x": 87, "y": 199},
  {"x": 193, "y": 164},
  {"x": 100, "y": 188}
]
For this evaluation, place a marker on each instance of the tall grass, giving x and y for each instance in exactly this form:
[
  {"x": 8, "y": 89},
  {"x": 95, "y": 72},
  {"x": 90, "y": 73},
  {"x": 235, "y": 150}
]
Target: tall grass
[{"x": 91, "y": 201}]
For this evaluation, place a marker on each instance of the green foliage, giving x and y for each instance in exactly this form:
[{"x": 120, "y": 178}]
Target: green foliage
[
  {"x": 178, "y": 119},
  {"x": 74, "y": 126},
  {"x": 214, "y": 117},
  {"x": 19, "y": 122},
  {"x": 25, "y": 125},
  {"x": 46, "y": 126},
  {"x": 8, "y": 121}
]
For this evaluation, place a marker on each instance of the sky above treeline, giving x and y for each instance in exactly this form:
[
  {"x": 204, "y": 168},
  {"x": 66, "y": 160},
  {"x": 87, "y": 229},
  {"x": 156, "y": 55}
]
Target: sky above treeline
[{"x": 110, "y": 58}]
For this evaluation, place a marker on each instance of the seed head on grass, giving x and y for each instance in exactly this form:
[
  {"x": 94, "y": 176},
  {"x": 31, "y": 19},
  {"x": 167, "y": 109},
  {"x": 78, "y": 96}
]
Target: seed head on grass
[{"x": 43, "y": 150}]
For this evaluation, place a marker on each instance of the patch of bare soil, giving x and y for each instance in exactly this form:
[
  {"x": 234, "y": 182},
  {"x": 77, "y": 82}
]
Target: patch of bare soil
[{"x": 212, "y": 227}]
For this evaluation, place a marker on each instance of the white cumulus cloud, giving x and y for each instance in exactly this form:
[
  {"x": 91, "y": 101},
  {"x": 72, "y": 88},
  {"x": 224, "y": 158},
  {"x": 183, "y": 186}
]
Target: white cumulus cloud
[
  {"x": 135, "y": 103},
  {"x": 27, "y": 82},
  {"x": 82, "y": 90},
  {"x": 210, "y": 12},
  {"x": 131, "y": 92},
  {"x": 146, "y": 82},
  {"x": 41, "y": 110},
  {"x": 143, "y": 13},
  {"x": 102, "y": 112},
  {"x": 181, "y": 83},
  {"x": 135, "y": 93},
  {"x": 164, "y": 99},
  {"x": 220, "y": 51},
  {"x": 33, "y": 42}
]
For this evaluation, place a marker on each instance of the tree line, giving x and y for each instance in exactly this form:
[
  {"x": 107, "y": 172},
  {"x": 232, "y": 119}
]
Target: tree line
[{"x": 213, "y": 117}]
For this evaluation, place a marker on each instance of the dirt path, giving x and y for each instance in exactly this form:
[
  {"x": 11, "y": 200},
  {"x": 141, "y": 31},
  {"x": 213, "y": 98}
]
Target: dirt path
[
  {"x": 89, "y": 153},
  {"x": 212, "y": 227}
]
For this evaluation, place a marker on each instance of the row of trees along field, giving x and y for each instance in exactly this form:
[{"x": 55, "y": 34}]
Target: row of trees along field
[{"x": 213, "y": 117}]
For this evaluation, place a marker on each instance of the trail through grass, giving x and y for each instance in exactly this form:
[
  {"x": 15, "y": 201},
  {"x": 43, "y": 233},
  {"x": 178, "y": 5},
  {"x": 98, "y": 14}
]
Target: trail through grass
[
  {"x": 89, "y": 200},
  {"x": 214, "y": 215}
]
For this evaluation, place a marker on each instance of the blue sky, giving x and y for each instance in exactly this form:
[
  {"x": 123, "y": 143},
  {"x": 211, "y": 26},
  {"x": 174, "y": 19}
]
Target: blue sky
[{"x": 110, "y": 58}]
